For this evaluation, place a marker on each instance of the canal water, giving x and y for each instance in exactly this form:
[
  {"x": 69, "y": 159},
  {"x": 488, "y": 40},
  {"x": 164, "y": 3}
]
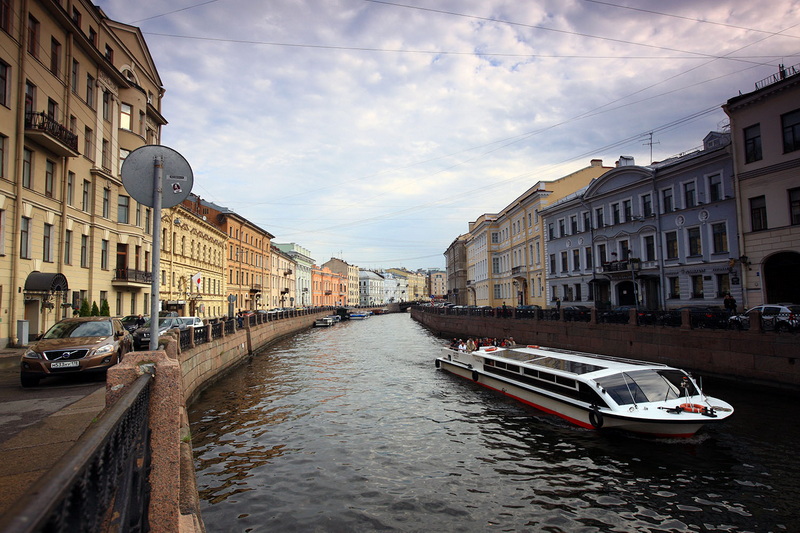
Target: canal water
[{"x": 351, "y": 428}]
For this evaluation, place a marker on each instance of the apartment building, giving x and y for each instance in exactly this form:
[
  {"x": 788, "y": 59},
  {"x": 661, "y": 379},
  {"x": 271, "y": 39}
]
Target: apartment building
[
  {"x": 283, "y": 284},
  {"x": 78, "y": 92},
  {"x": 247, "y": 262},
  {"x": 302, "y": 276},
  {"x": 765, "y": 125},
  {"x": 505, "y": 250},
  {"x": 656, "y": 237},
  {"x": 351, "y": 272},
  {"x": 455, "y": 259},
  {"x": 328, "y": 288},
  {"x": 192, "y": 265}
]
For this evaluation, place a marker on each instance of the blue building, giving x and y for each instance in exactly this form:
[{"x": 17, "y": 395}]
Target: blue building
[{"x": 659, "y": 237}]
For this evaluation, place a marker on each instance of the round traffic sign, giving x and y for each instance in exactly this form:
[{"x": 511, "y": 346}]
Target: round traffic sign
[{"x": 137, "y": 175}]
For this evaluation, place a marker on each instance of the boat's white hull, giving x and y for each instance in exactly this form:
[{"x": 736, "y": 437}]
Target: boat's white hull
[{"x": 652, "y": 422}]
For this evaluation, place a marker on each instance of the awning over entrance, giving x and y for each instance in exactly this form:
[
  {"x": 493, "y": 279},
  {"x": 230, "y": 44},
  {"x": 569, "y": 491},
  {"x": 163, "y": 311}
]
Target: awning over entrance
[{"x": 42, "y": 282}]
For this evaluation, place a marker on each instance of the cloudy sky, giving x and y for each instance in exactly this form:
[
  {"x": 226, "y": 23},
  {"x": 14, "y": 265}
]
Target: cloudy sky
[{"x": 376, "y": 131}]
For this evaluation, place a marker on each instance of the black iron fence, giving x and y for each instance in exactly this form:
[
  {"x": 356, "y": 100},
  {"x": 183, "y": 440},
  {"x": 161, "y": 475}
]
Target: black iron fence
[
  {"x": 699, "y": 317},
  {"x": 102, "y": 483}
]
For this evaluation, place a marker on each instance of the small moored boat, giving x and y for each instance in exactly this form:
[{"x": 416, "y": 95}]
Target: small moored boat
[
  {"x": 592, "y": 390},
  {"x": 360, "y": 316},
  {"x": 324, "y": 322}
]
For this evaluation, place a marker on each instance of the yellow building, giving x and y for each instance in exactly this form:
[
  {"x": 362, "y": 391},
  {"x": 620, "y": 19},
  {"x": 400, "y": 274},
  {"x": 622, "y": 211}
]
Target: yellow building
[
  {"x": 417, "y": 284},
  {"x": 78, "y": 93},
  {"x": 505, "y": 251},
  {"x": 192, "y": 265}
]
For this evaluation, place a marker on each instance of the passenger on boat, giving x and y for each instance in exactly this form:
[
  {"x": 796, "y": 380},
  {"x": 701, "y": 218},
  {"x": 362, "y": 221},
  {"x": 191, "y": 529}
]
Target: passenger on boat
[
  {"x": 471, "y": 346},
  {"x": 461, "y": 346}
]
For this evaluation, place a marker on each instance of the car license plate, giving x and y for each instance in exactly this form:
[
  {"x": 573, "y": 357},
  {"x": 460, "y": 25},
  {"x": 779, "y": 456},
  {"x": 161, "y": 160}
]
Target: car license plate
[{"x": 64, "y": 364}]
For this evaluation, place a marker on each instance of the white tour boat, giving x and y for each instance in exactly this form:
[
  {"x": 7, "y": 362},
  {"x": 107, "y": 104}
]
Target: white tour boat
[
  {"x": 324, "y": 322},
  {"x": 592, "y": 390}
]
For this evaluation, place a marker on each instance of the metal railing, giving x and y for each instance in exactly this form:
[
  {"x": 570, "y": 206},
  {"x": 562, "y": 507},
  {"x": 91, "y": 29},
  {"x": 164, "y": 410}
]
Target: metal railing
[
  {"x": 102, "y": 482},
  {"x": 43, "y": 122}
]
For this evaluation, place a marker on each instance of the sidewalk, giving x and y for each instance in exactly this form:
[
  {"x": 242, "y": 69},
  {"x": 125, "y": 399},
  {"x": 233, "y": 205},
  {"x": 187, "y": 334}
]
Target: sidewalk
[{"x": 27, "y": 455}]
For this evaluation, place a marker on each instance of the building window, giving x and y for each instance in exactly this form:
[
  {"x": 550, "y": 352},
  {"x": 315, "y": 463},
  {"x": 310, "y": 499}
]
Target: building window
[
  {"x": 674, "y": 287},
  {"x": 68, "y": 247},
  {"x": 689, "y": 195},
  {"x": 576, "y": 259},
  {"x": 649, "y": 248},
  {"x": 551, "y": 231},
  {"x": 70, "y": 188},
  {"x": 109, "y": 53},
  {"x": 47, "y": 243},
  {"x": 5, "y": 77},
  {"x": 752, "y": 144},
  {"x": 27, "y": 163},
  {"x": 106, "y": 105},
  {"x": 587, "y": 221},
  {"x": 25, "y": 238},
  {"x": 106, "y": 202},
  {"x": 30, "y": 97},
  {"x": 627, "y": 210},
  {"x": 647, "y": 205},
  {"x": 791, "y": 131},
  {"x": 106, "y": 154},
  {"x": 758, "y": 213},
  {"x": 715, "y": 188},
  {"x": 561, "y": 228},
  {"x": 495, "y": 265},
  {"x": 573, "y": 222},
  {"x": 90, "y": 91},
  {"x": 84, "y": 251},
  {"x": 697, "y": 286},
  {"x": 599, "y": 217},
  {"x": 794, "y": 206},
  {"x": 666, "y": 200},
  {"x": 104, "y": 254},
  {"x": 49, "y": 171},
  {"x": 3, "y": 148},
  {"x": 92, "y": 36},
  {"x": 76, "y": 68},
  {"x": 564, "y": 262},
  {"x": 552, "y": 263},
  {"x": 55, "y": 57},
  {"x": 588, "y": 257},
  {"x": 88, "y": 143},
  {"x": 85, "y": 196},
  {"x": 76, "y": 17},
  {"x": 601, "y": 254},
  {"x": 123, "y": 209},
  {"x": 495, "y": 237},
  {"x": 671, "y": 244},
  {"x": 719, "y": 234},
  {"x": 147, "y": 219},
  {"x": 33, "y": 36},
  {"x": 695, "y": 244},
  {"x": 615, "y": 218},
  {"x": 5, "y": 15},
  {"x": 125, "y": 116}
]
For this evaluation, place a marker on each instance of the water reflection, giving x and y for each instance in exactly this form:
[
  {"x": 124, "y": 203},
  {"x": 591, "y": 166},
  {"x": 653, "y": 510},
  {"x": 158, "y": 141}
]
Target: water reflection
[{"x": 351, "y": 428}]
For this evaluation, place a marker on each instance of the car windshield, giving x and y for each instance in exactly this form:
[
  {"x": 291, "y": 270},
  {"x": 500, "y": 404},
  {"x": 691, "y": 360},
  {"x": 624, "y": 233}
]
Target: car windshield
[
  {"x": 642, "y": 386},
  {"x": 162, "y": 323},
  {"x": 64, "y": 330}
]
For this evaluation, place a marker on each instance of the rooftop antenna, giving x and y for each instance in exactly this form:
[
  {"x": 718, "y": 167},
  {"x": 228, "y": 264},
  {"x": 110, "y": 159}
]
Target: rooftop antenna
[{"x": 651, "y": 143}]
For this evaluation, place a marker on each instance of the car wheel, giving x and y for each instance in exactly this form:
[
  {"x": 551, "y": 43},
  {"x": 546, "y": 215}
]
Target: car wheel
[{"x": 28, "y": 381}]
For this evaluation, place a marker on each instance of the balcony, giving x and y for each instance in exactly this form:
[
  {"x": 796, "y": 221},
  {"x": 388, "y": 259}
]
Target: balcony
[
  {"x": 44, "y": 130},
  {"x": 128, "y": 277},
  {"x": 517, "y": 270},
  {"x": 284, "y": 291},
  {"x": 255, "y": 287}
]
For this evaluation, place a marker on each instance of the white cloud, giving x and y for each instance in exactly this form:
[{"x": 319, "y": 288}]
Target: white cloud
[{"x": 378, "y": 132}]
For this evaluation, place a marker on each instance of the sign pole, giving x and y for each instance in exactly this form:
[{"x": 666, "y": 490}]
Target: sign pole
[{"x": 155, "y": 296}]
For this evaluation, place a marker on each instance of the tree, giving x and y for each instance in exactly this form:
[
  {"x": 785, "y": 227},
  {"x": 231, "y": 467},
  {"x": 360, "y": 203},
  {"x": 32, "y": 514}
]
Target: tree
[
  {"x": 85, "y": 309},
  {"x": 95, "y": 309},
  {"x": 104, "y": 309}
]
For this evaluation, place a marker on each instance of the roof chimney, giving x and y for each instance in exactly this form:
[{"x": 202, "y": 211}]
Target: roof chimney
[
  {"x": 626, "y": 161},
  {"x": 597, "y": 162}
]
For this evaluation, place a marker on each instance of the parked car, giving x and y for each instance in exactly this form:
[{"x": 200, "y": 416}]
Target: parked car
[
  {"x": 773, "y": 317},
  {"x": 701, "y": 316},
  {"x": 621, "y": 315},
  {"x": 80, "y": 344},
  {"x": 130, "y": 322},
  {"x": 579, "y": 313},
  {"x": 141, "y": 337},
  {"x": 192, "y": 321}
]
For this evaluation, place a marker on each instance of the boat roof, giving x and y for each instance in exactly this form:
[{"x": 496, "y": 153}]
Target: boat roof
[{"x": 569, "y": 361}]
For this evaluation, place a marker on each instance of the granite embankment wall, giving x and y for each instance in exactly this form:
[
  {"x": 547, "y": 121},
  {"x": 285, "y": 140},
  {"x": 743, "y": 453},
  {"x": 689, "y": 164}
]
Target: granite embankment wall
[
  {"x": 180, "y": 375},
  {"x": 765, "y": 358}
]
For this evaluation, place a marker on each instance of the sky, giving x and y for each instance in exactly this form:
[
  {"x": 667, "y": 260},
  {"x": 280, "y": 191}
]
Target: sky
[{"x": 376, "y": 131}]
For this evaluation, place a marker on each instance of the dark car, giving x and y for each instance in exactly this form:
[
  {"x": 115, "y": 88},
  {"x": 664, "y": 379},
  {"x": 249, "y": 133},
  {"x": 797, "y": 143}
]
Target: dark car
[
  {"x": 81, "y": 344},
  {"x": 577, "y": 313},
  {"x": 141, "y": 336},
  {"x": 700, "y": 316},
  {"x": 621, "y": 315},
  {"x": 131, "y": 322}
]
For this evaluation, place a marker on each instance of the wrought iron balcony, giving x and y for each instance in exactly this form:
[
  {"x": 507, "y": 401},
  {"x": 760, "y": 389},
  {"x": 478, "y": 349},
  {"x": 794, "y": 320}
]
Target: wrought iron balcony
[
  {"x": 131, "y": 277},
  {"x": 622, "y": 266},
  {"x": 43, "y": 129}
]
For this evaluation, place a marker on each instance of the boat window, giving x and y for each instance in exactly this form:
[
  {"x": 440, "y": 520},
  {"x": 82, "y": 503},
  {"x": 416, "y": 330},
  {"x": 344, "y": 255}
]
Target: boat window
[
  {"x": 566, "y": 365},
  {"x": 647, "y": 386}
]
